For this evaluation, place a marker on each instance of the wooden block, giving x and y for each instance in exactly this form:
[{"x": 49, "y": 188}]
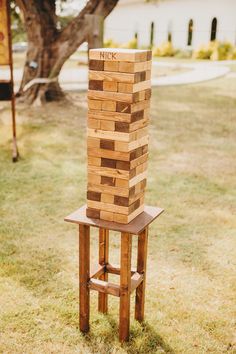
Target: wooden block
[
  {"x": 94, "y": 161},
  {"x": 125, "y": 219},
  {"x": 121, "y": 183},
  {"x": 126, "y": 67},
  {"x": 116, "y": 155},
  {"x": 137, "y": 179},
  {"x": 96, "y": 85},
  {"x": 96, "y": 196},
  {"x": 108, "y": 163},
  {"x": 140, "y": 133},
  {"x": 140, "y": 96},
  {"x": 108, "y": 207},
  {"x": 132, "y": 88},
  {"x": 122, "y": 127},
  {"x": 95, "y": 104},
  {"x": 149, "y": 55},
  {"x": 96, "y": 65},
  {"x": 129, "y": 146},
  {"x": 136, "y": 213},
  {"x": 142, "y": 66},
  {"x": 123, "y": 107},
  {"x": 122, "y": 201},
  {"x": 123, "y": 165},
  {"x": 138, "y": 124},
  {"x": 107, "y": 144},
  {"x": 119, "y": 54},
  {"x": 109, "y": 172},
  {"x": 137, "y": 116},
  {"x": 93, "y": 142},
  {"x": 106, "y": 125},
  {"x": 148, "y": 94},
  {"x": 111, "y": 66},
  {"x": 129, "y": 67},
  {"x": 132, "y": 207},
  {"x": 139, "y": 77},
  {"x": 138, "y": 152},
  {"x": 116, "y": 116},
  {"x": 94, "y": 123},
  {"x": 111, "y": 96},
  {"x": 145, "y": 104},
  {"x": 109, "y": 106},
  {"x": 93, "y": 179},
  {"x": 140, "y": 160},
  {"x": 107, "y": 198},
  {"x": 111, "y": 76},
  {"x": 102, "y": 188},
  {"x": 143, "y": 85},
  {"x": 93, "y": 213},
  {"x": 141, "y": 168},
  {"x": 114, "y": 135},
  {"x": 108, "y": 181},
  {"x": 123, "y": 87},
  {"x": 148, "y": 75},
  {"x": 106, "y": 215},
  {"x": 110, "y": 86}
]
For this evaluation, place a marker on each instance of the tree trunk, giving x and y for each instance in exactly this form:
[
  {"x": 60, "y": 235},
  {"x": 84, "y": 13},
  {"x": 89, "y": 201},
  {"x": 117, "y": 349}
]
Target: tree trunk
[{"x": 49, "y": 48}]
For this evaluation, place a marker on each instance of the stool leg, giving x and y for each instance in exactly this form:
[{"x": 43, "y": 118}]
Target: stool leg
[
  {"x": 125, "y": 281},
  {"x": 84, "y": 273},
  {"x": 103, "y": 260},
  {"x": 141, "y": 268}
]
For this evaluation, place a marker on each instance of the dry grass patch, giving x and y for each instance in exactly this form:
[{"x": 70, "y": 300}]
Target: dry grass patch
[{"x": 190, "y": 304}]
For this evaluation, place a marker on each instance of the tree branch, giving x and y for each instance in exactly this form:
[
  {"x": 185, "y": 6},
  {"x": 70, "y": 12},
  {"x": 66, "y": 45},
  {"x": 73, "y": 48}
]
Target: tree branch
[{"x": 98, "y": 7}]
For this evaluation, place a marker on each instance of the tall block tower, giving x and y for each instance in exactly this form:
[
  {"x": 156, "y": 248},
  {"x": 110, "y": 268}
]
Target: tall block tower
[{"x": 117, "y": 136}]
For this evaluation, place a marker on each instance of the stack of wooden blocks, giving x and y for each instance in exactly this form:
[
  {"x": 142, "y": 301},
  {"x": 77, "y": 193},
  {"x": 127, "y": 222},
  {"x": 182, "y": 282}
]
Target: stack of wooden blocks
[{"x": 118, "y": 116}]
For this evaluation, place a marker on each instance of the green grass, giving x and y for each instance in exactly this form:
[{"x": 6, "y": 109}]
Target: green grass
[{"x": 190, "y": 299}]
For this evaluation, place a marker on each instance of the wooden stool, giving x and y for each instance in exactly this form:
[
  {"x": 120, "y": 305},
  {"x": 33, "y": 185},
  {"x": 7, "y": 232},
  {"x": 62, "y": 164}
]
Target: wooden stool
[{"x": 130, "y": 279}]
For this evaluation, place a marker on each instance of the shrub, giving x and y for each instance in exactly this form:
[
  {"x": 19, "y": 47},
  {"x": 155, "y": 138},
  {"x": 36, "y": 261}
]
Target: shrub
[
  {"x": 109, "y": 43},
  {"x": 205, "y": 51},
  {"x": 132, "y": 44},
  {"x": 183, "y": 54},
  {"x": 165, "y": 50},
  {"x": 215, "y": 51}
]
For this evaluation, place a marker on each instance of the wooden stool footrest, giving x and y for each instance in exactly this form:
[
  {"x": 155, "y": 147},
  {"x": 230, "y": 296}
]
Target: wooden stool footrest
[
  {"x": 136, "y": 280},
  {"x": 98, "y": 272},
  {"x": 115, "y": 269},
  {"x": 104, "y": 287}
]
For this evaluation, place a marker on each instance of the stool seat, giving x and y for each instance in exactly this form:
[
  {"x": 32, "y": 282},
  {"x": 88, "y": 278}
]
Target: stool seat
[
  {"x": 134, "y": 227},
  {"x": 131, "y": 279}
]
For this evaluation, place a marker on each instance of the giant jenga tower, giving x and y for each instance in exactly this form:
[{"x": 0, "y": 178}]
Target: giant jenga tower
[{"x": 118, "y": 116}]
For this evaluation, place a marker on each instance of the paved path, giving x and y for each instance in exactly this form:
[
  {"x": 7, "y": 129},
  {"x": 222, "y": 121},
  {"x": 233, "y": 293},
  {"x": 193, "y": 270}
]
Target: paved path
[
  {"x": 198, "y": 72},
  {"x": 77, "y": 79}
]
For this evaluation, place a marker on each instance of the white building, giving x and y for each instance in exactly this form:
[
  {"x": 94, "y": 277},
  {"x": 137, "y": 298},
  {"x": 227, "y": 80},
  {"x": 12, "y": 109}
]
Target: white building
[{"x": 185, "y": 22}]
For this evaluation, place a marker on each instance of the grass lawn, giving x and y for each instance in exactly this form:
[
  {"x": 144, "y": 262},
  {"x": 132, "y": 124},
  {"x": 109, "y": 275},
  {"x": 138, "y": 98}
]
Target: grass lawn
[{"x": 191, "y": 286}]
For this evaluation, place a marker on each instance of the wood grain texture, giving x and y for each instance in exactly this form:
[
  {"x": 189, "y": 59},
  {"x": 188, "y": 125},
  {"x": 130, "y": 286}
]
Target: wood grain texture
[
  {"x": 111, "y": 66},
  {"x": 111, "y": 76},
  {"x": 103, "y": 260},
  {"x": 84, "y": 276},
  {"x": 135, "y": 227},
  {"x": 119, "y": 54},
  {"x": 96, "y": 65},
  {"x": 104, "y": 287},
  {"x": 125, "y": 286},
  {"x": 141, "y": 269}
]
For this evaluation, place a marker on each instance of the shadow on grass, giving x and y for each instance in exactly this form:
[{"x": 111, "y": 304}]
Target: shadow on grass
[{"x": 143, "y": 338}]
